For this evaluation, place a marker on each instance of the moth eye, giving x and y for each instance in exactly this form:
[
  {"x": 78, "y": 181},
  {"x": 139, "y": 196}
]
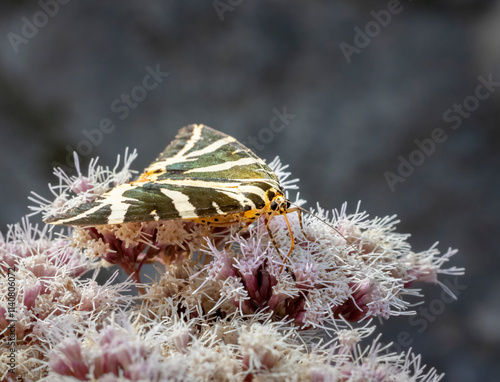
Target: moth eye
[
  {"x": 274, "y": 205},
  {"x": 287, "y": 204}
]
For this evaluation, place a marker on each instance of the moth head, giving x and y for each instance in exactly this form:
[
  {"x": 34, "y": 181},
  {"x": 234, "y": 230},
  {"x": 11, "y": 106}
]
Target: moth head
[{"x": 277, "y": 201}]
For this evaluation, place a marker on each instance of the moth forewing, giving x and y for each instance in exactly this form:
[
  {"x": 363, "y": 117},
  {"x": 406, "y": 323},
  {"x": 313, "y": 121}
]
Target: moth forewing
[{"x": 203, "y": 175}]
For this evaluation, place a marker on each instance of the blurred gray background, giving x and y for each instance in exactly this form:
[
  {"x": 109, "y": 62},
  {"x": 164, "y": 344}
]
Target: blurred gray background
[{"x": 359, "y": 101}]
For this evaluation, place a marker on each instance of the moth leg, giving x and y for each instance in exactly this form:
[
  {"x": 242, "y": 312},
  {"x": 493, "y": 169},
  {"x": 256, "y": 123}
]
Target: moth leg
[
  {"x": 299, "y": 212},
  {"x": 274, "y": 242},
  {"x": 292, "y": 242},
  {"x": 271, "y": 236}
]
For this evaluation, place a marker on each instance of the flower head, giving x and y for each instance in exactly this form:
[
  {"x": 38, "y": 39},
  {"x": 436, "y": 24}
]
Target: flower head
[
  {"x": 72, "y": 191},
  {"x": 243, "y": 302}
]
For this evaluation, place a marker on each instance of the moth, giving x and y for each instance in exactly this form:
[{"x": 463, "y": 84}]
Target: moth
[{"x": 204, "y": 176}]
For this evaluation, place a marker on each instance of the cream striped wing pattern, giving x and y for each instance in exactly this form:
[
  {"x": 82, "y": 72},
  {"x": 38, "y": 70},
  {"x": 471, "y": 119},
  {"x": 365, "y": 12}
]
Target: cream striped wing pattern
[{"x": 203, "y": 173}]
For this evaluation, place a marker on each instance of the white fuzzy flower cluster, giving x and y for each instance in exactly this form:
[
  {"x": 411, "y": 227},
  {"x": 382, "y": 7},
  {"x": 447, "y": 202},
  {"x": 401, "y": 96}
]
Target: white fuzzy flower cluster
[
  {"x": 227, "y": 304},
  {"x": 72, "y": 191},
  {"x": 42, "y": 286},
  {"x": 253, "y": 348}
]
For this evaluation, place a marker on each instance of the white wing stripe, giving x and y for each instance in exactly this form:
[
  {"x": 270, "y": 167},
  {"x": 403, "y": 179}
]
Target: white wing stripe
[
  {"x": 217, "y": 208},
  {"x": 80, "y": 216},
  {"x": 253, "y": 190},
  {"x": 190, "y": 144},
  {"x": 211, "y": 148},
  {"x": 115, "y": 199},
  {"x": 192, "y": 156},
  {"x": 240, "y": 198},
  {"x": 181, "y": 203},
  {"x": 226, "y": 165},
  {"x": 210, "y": 184}
]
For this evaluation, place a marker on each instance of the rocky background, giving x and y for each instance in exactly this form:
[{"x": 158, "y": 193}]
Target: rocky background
[{"x": 356, "y": 83}]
